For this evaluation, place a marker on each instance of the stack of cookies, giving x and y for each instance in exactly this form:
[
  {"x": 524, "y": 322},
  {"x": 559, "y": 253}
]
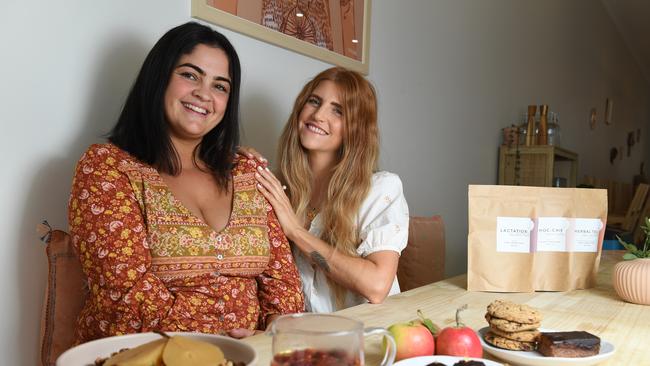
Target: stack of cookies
[{"x": 512, "y": 326}]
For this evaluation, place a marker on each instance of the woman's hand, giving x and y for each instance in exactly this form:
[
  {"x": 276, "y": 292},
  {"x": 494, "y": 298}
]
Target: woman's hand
[
  {"x": 240, "y": 333},
  {"x": 251, "y": 153},
  {"x": 271, "y": 188}
]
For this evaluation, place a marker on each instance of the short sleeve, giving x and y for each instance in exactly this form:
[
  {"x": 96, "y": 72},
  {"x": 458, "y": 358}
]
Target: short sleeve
[{"x": 384, "y": 216}]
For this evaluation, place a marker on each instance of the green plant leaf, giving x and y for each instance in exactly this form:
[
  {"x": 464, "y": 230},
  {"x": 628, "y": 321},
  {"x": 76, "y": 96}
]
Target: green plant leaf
[
  {"x": 631, "y": 247},
  {"x": 629, "y": 256},
  {"x": 633, "y": 251},
  {"x": 428, "y": 323},
  {"x": 646, "y": 229}
]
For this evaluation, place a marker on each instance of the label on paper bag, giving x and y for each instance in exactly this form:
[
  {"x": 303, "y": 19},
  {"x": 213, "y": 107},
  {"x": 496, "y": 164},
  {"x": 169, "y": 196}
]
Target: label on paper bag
[
  {"x": 513, "y": 234},
  {"x": 552, "y": 234},
  {"x": 583, "y": 237}
]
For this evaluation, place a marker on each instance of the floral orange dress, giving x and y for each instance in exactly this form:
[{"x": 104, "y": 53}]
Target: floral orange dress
[{"x": 151, "y": 264}]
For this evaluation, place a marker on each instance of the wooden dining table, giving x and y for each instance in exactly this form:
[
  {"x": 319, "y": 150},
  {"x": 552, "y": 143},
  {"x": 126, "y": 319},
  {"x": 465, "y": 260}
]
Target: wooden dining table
[{"x": 597, "y": 310}]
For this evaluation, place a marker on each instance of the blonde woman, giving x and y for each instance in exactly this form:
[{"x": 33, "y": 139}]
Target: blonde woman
[{"x": 347, "y": 221}]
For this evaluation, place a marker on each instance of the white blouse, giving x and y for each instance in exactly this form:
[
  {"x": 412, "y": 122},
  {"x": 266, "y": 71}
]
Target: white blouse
[{"x": 383, "y": 219}]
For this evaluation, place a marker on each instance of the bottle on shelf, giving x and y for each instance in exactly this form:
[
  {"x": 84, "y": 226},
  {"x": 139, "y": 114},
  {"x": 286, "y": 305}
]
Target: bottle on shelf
[
  {"x": 542, "y": 138},
  {"x": 530, "y": 127},
  {"x": 554, "y": 129},
  {"x": 523, "y": 126}
]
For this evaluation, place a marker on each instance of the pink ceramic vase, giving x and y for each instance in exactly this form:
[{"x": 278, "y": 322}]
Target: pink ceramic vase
[{"x": 632, "y": 280}]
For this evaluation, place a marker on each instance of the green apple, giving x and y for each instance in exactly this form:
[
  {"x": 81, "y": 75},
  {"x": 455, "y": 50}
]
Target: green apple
[{"x": 414, "y": 338}]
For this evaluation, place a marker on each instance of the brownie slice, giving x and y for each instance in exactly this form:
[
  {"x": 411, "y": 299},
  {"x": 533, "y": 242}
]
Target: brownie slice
[
  {"x": 436, "y": 364},
  {"x": 469, "y": 363},
  {"x": 568, "y": 344}
]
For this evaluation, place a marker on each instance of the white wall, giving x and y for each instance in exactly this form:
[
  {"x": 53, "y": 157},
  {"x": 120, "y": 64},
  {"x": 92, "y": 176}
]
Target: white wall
[{"x": 450, "y": 74}]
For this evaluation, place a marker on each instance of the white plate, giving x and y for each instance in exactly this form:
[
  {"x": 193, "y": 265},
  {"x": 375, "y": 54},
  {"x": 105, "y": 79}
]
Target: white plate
[
  {"x": 447, "y": 360},
  {"x": 534, "y": 358},
  {"x": 85, "y": 354}
]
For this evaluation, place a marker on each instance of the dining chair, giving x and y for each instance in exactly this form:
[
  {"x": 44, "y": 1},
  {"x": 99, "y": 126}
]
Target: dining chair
[
  {"x": 639, "y": 235},
  {"x": 65, "y": 295},
  {"x": 628, "y": 222},
  {"x": 423, "y": 260}
]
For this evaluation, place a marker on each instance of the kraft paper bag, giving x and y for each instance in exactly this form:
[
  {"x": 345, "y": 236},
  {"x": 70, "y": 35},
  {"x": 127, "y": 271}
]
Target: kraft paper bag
[{"x": 525, "y": 239}]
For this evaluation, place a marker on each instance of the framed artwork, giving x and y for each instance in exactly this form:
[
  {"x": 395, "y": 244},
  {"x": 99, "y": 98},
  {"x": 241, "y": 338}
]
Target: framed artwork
[{"x": 334, "y": 31}]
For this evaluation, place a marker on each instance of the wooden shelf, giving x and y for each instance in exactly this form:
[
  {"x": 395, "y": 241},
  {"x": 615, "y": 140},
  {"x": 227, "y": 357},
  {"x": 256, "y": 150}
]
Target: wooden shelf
[{"x": 537, "y": 165}]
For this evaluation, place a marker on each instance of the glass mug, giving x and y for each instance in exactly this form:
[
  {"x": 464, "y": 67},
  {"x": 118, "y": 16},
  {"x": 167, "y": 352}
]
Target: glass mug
[{"x": 323, "y": 339}]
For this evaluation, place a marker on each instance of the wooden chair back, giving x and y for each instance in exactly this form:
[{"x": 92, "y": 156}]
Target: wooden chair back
[
  {"x": 639, "y": 235},
  {"x": 636, "y": 207},
  {"x": 65, "y": 295}
]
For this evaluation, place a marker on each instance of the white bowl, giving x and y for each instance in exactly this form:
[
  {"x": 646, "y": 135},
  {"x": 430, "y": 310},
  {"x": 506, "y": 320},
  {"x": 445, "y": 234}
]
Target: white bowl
[{"x": 85, "y": 354}]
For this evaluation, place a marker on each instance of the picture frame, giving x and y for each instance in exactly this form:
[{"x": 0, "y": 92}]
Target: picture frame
[{"x": 352, "y": 53}]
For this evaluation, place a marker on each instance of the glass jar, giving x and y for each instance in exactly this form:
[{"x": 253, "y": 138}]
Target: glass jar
[
  {"x": 523, "y": 129},
  {"x": 302, "y": 339},
  {"x": 553, "y": 130}
]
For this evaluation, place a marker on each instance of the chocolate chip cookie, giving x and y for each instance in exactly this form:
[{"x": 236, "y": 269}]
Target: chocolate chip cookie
[
  {"x": 523, "y": 336},
  {"x": 519, "y": 313},
  {"x": 508, "y": 326},
  {"x": 509, "y": 344}
]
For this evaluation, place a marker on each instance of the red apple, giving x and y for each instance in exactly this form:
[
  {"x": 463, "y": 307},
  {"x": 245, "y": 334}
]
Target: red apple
[
  {"x": 412, "y": 339},
  {"x": 459, "y": 340}
]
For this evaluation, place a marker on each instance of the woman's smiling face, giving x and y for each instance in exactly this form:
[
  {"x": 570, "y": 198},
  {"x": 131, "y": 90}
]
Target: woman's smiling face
[
  {"x": 321, "y": 119},
  {"x": 197, "y": 94}
]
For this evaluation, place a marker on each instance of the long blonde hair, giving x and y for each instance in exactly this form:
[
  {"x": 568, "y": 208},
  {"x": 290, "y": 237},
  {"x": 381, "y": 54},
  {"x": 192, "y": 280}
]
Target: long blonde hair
[{"x": 352, "y": 174}]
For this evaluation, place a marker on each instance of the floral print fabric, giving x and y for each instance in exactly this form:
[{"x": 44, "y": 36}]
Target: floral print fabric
[{"x": 151, "y": 264}]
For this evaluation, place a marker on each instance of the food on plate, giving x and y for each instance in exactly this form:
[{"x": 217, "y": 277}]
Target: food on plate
[
  {"x": 459, "y": 363},
  {"x": 508, "y": 326},
  {"x": 523, "y": 336},
  {"x": 414, "y": 338},
  {"x": 146, "y": 354},
  {"x": 512, "y": 326},
  {"x": 459, "y": 340},
  {"x": 186, "y": 351},
  {"x": 469, "y": 363},
  {"x": 518, "y": 313},
  {"x": 568, "y": 344},
  {"x": 169, "y": 351},
  {"x": 315, "y": 357},
  {"x": 508, "y": 344}
]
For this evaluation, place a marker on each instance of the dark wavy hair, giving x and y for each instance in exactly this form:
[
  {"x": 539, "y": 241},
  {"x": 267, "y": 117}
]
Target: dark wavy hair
[{"x": 142, "y": 129}]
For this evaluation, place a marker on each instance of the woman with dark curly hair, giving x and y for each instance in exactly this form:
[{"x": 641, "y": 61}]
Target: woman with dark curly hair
[{"x": 170, "y": 229}]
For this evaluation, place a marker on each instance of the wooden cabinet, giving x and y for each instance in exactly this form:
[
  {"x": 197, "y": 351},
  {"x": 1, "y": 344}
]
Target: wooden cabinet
[{"x": 537, "y": 165}]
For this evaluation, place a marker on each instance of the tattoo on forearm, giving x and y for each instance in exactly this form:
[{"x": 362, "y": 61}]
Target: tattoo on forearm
[{"x": 320, "y": 261}]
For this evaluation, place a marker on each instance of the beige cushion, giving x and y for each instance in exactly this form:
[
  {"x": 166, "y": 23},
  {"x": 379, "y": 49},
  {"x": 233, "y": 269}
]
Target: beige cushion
[
  {"x": 65, "y": 295},
  {"x": 423, "y": 260}
]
